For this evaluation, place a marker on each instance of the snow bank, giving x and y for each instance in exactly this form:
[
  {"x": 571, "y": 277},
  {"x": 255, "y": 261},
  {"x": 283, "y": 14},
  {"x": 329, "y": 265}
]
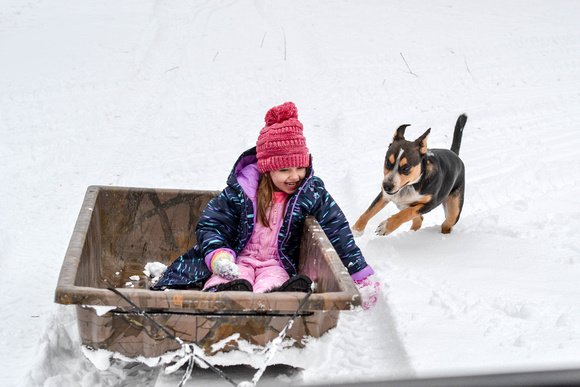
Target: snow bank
[{"x": 167, "y": 94}]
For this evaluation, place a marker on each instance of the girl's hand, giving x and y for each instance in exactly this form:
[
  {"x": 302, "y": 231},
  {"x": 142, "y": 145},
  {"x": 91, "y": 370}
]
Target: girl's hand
[
  {"x": 223, "y": 264},
  {"x": 369, "y": 290}
]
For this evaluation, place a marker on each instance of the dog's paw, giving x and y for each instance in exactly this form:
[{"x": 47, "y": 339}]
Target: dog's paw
[
  {"x": 383, "y": 228},
  {"x": 357, "y": 233}
]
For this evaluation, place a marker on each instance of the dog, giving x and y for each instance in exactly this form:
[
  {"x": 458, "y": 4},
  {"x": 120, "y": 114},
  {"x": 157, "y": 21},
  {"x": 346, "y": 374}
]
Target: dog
[{"x": 417, "y": 180}]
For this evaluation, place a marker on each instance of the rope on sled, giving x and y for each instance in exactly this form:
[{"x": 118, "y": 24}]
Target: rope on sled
[
  {"x": 189, "y": 350},
  {"x": 278, "y": 340}
]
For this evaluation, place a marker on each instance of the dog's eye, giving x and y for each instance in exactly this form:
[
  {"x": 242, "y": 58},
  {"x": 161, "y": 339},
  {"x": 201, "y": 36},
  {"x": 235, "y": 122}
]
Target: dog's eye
[{"x": 405, "y": 169}]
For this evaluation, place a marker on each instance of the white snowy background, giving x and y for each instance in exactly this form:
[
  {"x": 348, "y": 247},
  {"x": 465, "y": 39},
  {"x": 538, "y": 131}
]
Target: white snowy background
[{"x": 167, "y": 94}]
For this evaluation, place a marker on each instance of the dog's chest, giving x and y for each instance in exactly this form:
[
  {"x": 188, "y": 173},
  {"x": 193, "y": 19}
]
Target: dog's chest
[{"x": 405, "y": 197}]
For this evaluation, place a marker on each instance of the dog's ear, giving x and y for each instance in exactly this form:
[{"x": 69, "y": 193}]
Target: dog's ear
[
  {"x": 400, "y": 133},
  {"x": 422, "y": 142}
]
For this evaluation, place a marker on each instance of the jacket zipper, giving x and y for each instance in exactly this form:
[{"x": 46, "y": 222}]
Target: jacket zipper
[{"x": 290, "y": 221}]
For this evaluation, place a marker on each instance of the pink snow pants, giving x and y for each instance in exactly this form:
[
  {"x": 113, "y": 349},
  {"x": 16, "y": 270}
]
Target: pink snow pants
[{"x": 259, "y": 262}]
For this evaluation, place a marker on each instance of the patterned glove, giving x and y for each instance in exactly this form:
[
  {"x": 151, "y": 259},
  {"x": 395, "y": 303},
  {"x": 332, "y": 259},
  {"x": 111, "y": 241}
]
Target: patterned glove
[
  {"x": 223, "y": 264},
  {"x": 369, "y": 291}
]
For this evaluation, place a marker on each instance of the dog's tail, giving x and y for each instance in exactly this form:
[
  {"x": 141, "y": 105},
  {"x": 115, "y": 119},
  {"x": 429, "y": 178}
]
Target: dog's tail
[{"x": 458, "y": 133}]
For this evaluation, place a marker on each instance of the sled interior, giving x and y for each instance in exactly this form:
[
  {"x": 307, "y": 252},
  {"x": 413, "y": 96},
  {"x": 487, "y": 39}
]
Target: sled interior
[{"x": 119, "y": 230}]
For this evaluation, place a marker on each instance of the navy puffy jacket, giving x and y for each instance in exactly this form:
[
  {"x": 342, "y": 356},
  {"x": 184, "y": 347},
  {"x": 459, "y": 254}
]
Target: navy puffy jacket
[{"x": 228, "y": 221}]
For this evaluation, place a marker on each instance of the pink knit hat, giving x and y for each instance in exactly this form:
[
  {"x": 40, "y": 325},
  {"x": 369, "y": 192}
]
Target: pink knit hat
[{"x": 281, "y": 143}]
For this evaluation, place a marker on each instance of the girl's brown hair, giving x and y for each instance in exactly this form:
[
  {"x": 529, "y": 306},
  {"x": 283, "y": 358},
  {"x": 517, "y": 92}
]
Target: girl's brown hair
[{"x": 265, "y": 197}]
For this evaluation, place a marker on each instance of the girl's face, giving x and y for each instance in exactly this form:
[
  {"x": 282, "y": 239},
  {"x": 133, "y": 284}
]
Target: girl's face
[{"x": 288, "y": 179}]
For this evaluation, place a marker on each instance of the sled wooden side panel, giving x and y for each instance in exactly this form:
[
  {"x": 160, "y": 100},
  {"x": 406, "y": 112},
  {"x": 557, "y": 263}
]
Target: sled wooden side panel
[{"x": 134, "y": 335}]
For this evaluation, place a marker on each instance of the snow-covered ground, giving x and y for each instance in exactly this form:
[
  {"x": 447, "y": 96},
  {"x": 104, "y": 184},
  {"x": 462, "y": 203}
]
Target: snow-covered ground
[{"x": 168, "y": 93}]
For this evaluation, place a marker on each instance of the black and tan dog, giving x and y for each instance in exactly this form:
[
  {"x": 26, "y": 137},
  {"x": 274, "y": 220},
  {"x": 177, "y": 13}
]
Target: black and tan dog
[{"x": 417, "y": 180}]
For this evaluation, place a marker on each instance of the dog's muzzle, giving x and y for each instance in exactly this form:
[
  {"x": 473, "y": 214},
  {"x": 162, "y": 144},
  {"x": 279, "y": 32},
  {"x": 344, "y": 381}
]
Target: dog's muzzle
[{"x": 388, "y": 188}]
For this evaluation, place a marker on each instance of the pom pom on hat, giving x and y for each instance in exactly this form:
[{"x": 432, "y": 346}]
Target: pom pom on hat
[
  {"x": 281, "y": 113},
  {"x": 281, "y": 143}
]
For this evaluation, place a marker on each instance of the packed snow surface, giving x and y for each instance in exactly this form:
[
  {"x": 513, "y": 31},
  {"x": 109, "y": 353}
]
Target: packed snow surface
[{"x": 167, "y": 94}]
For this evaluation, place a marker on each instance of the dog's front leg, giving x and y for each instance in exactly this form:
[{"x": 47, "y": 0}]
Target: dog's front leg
[
  {"x": 388, "y": 226},
  {"x": 417, "y": 223},
  {"x": 378, "y": 204}
]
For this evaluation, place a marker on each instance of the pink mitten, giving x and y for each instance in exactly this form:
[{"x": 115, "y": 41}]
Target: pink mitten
[{"x": 369, "y": 291}]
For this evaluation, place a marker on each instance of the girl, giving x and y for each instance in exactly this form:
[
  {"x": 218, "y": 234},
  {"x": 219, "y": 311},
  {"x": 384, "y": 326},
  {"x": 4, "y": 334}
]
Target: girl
[{"x": 249, "y": 235}]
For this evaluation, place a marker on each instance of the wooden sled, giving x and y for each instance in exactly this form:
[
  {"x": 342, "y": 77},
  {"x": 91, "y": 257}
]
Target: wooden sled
[{"x": 119, "y": 230}]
